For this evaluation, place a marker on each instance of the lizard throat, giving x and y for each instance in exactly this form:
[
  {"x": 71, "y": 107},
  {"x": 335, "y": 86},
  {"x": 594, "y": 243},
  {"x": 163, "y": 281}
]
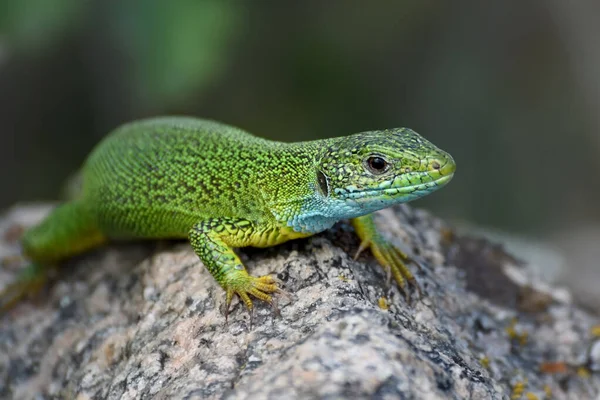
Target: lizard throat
[{"x": 319, "y": 213}]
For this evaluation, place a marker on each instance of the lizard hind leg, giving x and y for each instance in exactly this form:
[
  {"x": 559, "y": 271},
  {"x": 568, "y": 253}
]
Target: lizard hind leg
[{"x": 67, "y": 231}]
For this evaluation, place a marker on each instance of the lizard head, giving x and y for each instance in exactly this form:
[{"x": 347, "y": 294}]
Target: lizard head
[{"x": 369, "y": 171}]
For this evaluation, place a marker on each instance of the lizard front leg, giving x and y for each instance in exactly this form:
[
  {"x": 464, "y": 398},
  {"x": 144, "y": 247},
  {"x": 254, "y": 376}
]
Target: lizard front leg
[
  {"x": 213, "y": 241},
  {"x": 389, "y": 256}
]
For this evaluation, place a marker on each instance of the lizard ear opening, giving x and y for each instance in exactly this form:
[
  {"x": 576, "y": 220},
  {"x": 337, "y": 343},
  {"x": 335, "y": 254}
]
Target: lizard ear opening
[{"x": 323, "y": 184}]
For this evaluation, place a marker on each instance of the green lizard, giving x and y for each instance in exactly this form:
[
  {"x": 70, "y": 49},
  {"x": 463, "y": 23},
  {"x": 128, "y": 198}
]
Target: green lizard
[{"x": 222, "y": 188}]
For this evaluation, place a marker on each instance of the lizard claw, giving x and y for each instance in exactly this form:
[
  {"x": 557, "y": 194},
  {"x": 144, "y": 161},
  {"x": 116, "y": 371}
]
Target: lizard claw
[
  {"x": 247, "y": 285},
  {"x": 393, "y": 262},
  {"x": 363, "y": 246}
]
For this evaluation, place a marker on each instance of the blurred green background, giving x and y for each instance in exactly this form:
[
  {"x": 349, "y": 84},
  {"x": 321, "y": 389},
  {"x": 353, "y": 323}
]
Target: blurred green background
[{"x": 511, "y": 89}]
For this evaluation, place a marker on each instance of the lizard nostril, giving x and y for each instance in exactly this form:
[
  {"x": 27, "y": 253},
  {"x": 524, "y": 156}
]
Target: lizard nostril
[{"x": 435, "y": 165}]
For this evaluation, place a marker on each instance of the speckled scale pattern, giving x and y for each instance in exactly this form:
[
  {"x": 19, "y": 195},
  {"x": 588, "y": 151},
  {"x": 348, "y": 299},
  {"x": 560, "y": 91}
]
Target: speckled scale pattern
[
  {"x": 176, "y": 177},
  {"x": 159, "y": 177}
]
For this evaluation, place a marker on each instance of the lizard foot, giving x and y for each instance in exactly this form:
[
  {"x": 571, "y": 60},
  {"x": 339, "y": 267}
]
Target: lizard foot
[
  {"x": 393, "y": 262},
  {"x": 245, "y": 285},
  {"x": 29, "y": 282}
]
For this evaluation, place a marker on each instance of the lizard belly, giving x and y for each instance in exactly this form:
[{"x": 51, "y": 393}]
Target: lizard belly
[{"x": 266, "y": 237}]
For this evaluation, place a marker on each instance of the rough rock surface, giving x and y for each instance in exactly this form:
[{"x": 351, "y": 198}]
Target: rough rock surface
[{"x": 145, "y": 320}]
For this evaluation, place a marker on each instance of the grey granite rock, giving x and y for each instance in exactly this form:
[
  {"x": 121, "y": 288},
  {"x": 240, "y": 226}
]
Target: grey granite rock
[{"x": 145, "y": 320}]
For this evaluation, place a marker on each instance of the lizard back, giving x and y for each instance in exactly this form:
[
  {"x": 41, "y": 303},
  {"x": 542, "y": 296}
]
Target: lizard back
[{"x": 156, "y": 178}]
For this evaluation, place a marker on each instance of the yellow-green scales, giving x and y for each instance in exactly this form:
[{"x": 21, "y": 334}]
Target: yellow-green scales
[{"x": 223, "y": 188}]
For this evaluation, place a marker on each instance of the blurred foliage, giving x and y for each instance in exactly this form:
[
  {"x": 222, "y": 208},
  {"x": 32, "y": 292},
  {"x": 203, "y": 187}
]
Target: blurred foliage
[
  {"x": 177, "y": 49},
  {"x": 492, "y": 83},
  {"x": 32, "y": 25}
]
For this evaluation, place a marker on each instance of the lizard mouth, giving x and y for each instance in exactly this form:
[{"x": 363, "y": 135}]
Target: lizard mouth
[{"x": 401, "y": 190}]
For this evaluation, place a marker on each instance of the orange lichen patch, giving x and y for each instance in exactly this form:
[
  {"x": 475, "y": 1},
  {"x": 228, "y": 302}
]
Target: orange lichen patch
[
  {"x": 531, "y": 396},
  {"x": 554, "y": 367},
  {"x": 595, "y": 331},
  {"x": 383, "y": 304}
]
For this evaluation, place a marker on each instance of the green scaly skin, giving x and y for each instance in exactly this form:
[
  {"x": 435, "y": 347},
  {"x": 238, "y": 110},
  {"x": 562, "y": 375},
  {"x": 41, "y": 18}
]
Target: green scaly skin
[{"x": 223, "y": 188}]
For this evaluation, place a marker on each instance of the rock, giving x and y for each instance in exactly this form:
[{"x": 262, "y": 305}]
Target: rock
[{"x": 145, "y": 320}]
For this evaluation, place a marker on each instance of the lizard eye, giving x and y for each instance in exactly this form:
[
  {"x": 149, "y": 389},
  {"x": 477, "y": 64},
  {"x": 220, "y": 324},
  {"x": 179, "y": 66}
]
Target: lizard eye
[{"x": 377, "y": 165}]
